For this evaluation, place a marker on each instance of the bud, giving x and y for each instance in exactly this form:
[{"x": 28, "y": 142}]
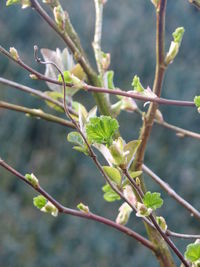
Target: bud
[
  {"x": 26, "y": 3},
  {"x": 32, "y": 179},
  {"x": 14, "y": 53},
  {"x": 155, "y": 3},
  {"x": 33, "y": 76},
  {"x": 159, "y": 116},
  {"x": 50, "y": 208},
  {"x": 137, "y": 86},
  {"x": 162, "y": 223},
  {"x": 105, "y": 60},
  {"x": 142, "y": 210},
  {"x": 124, "y": 214},
  {"x": 83, "y": 208},
  {"x": 129, "y": 194},
  {"x": 117, "y": 151},
  {"x": 137, "y": 180},
  {"x": 59, "y": 16},
  {"x": 175, "y": 44}
]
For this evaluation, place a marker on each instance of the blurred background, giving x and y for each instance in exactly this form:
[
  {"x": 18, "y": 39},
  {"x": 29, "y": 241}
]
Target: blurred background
[{"x": 31, "y": 238}]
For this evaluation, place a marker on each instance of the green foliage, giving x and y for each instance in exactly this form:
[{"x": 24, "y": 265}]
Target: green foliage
[
  {"x": 109, "y": 194},
  {"x": 39, "y": 201},
  {"x": 152, "y": 200},
  {"x": 101, "y": 129},
  {"x": 130, "y": 149},
  {"x": 137, "y": 86},
  {"x": 77, "y": 139},
  {"x": 193, "y": 252},
  {"x": 70, "y": 78},
  {"x": 113, "y": 174}
]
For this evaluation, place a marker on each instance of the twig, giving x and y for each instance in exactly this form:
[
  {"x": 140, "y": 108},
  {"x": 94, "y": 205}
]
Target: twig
[
  {"x": 179, "y": 130},
  {"x": 185, "y": 236},
  {"x": 38, "y": 113},
  {"x": 89, "y": 215},
  {"x": 196, "y": 3},
  {"x": 96, "y": 89},
  {"x": 163, "y": 234},
  {"x": 171, "y": 192},
  {"x": 97, "y": 35}
]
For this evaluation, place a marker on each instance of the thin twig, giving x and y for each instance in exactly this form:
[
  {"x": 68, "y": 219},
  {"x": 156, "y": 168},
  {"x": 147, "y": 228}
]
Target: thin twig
[
  {"x": 97, "y": 35},
  {"x": 162, "y": 233},
  {"x": 185, "y": 236},
  {"x": 96, "y": 89},
  {"x": 38, "y": 113},
  {"x": 89, "y": 215},
  {"x": 171, "y": 192}
]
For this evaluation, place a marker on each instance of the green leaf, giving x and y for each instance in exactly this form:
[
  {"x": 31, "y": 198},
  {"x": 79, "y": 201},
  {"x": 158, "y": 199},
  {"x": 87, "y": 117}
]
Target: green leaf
[
  {"x": 178, "y": 35},
  {"x": 152, "y": 200},
  {"x": 113, "y": 174},
  {"x": 101, "y": 129},
  {"x": 76, "y": 138},
  {"x": 131, "y": 149},
  {"x": 137, "y": 86},
  {"x": 193, "y": 252},
  {"x": 71, "y": 79},
  {"x": 12, "y": 2},
  {"x": 135, "y": 174},
  {"x": 110, "y": 195},
  {"x": 197, "y": 101},
  {"x": 39, "y": 201}
]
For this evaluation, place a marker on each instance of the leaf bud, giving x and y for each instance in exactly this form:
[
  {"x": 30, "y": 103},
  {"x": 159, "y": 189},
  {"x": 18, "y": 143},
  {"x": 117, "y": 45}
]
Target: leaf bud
[
  {"x": 124, "y": 214},
  {"x": 14, "y": 53}
]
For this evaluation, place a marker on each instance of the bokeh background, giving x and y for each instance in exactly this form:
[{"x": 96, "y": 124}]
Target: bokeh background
[{"x": 30, "y": 238}]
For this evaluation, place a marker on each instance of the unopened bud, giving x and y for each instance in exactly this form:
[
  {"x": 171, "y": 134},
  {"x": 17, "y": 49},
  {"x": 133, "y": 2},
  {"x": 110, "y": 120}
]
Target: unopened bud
[
  {"x": 33, "y": 77},
  {"x": 124, "y": 214},
  {"x": 83, "y": 208},
  {"x": 142, "y": 210},
  {"x": 32, "y": 179},
  {"x": 59, "y": 16},
  {"x": 162, "y": 223},
  {"x": 50, "y": 208},
  {"x": 14, "y": 53},
  {"x": 26, "y": 3}
]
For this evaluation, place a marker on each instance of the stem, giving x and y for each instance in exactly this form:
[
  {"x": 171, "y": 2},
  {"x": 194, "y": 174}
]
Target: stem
[
  {"x": 97, "y": 35},
  {"x": 178, "y": 235},
  {"x": 90, "y": 216},
  {"x": 179, "y": 130},
  {"x": 38, "y": 113},
  {"x": 101, "y": 100},
  {"x": 96, "y": 89},
  {"x": 171, "y": 192}
]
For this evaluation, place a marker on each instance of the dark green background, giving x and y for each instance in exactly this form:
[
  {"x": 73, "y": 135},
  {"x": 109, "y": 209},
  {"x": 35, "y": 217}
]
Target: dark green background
[{"x": 30, "y": 238}]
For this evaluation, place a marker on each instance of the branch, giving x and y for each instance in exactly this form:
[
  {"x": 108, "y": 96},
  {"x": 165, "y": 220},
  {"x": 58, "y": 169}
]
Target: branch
[
  {"x": 97, "y": 35},
  {"x": 185, "y": 236},
  {"x": 38, "y": 113},
  {"x": 196, "y": 3},
  {"x": 171, "y": 192},
  {"x": 101, "y": 100},
  {"x": 89, "y": 215},
  {"x": 162, "y": 233},
  {"x": 96, "y": 89},
  {"x": 179, "y": 130}
]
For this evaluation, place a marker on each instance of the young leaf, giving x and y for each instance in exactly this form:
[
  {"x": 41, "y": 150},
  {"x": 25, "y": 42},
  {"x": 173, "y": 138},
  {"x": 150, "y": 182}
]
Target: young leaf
[
  {"x": 113, "y": 174},
  {"x": 178, "y": 34},
  {"x": 12, "y": 2},
  {"x": 152, "y": 200},
  {"x": 137, "y": 86},
  {"x": 197, "y": 102},
  {"x": 108, "y": 79},
  {"x": 193, "y": 252},
  {"x": 76, "y": 138},
  {"x": 39, "y": 201},
  {"x": 101, "y": 129},
  {"x": 131, "y": 149},
  {"x": 110, "y": 194}
]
